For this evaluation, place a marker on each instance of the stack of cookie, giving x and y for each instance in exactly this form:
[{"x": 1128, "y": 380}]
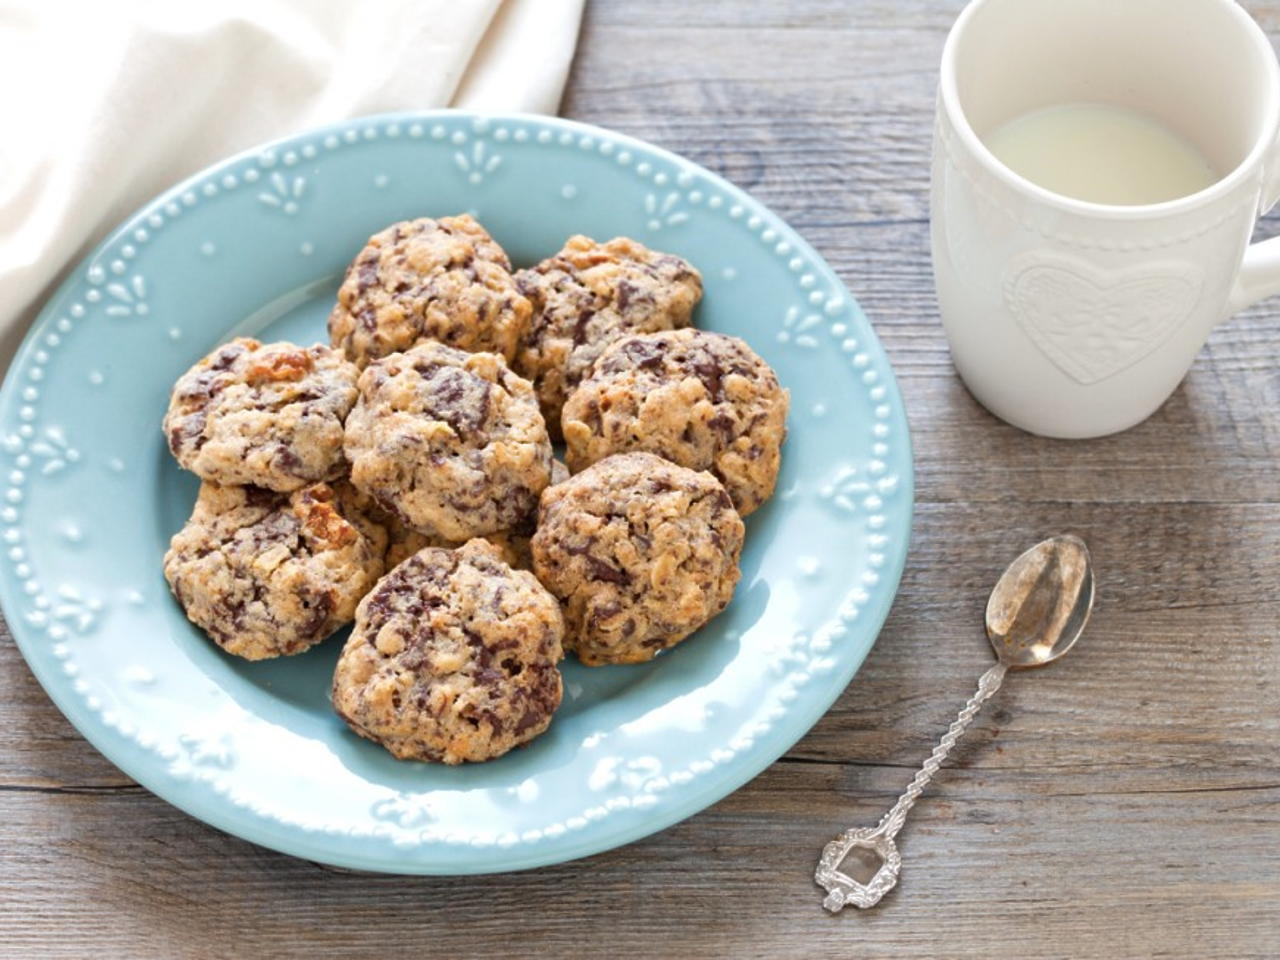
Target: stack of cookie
[{"x": 404, "y": 478}]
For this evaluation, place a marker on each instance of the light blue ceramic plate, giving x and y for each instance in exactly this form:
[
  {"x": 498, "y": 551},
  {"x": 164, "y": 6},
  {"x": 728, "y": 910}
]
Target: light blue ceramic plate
[{"x": 256, "y": 245}]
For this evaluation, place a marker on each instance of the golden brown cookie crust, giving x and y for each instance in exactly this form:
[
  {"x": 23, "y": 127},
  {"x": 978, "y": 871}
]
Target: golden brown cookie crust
[
  {"x": 402, "y": 543},
  {"x": 641, "y": 552},
  {"x": 588, "y": 295},
  {"x": 513, "y": 545},
  {"x": 451, "y": 443},
  {"x": 703, "y": 400},
  {"x": 270, "y": 415},
  {"x": 269, "y": 574},
  {"x": 444, "y": 279},
  {"x": 452, "y": 658}
]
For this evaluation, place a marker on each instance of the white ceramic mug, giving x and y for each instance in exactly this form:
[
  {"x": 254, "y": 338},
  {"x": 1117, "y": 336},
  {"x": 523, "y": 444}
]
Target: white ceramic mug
[{"x": 1076, "y": 319}]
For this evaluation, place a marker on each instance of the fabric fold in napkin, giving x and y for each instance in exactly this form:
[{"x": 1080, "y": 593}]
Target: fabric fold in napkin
[{"x": 107, "y": 104}]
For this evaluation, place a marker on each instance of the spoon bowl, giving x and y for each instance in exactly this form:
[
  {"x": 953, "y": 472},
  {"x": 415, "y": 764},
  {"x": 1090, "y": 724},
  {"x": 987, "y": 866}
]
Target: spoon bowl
[{"x": 1041, "y": 604}]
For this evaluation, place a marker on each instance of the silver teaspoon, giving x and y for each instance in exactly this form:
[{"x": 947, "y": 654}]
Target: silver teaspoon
[{"x": 1034, "y": 616}]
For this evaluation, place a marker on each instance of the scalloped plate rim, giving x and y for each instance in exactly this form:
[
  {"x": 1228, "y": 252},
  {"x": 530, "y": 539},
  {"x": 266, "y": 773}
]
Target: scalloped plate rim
[{"x": 198, "y": 800}]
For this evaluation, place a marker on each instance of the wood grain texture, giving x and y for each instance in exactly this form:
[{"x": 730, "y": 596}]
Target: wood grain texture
[{"x": 1124, "y": 803}]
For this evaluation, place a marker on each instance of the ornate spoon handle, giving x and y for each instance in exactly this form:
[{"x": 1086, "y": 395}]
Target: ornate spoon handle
[{"x": 841, "y": 888}]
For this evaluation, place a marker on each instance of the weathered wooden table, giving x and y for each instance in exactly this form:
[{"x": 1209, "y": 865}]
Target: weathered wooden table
[{"x": 1123, "y": 803}]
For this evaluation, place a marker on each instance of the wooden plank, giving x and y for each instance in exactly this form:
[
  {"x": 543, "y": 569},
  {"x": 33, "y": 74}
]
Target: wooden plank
[{"x": 1087, "y": 875}]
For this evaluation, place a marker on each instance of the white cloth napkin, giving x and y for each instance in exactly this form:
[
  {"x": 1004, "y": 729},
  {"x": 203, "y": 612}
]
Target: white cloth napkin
[{"x": 105, "y": 104}]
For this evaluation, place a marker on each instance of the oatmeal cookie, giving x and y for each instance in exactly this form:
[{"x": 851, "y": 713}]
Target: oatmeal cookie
[
  {"x": 444, "y": 279},
  {"x": 453, "y": 658},
  {"x": 270, "y": 415},
  {"x": 451, "y": 443},
  {"x": 640, "y": 551},
  {"x": 703, "y": 400},
  {"x": 268, "y": 574},
  {"x": 587, "y": 296},
  {"x": 403, "y": 542}
]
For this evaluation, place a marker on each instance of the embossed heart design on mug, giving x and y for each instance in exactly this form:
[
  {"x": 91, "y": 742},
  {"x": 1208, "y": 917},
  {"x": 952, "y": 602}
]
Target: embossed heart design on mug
[{"x": 1093, "y": 323}]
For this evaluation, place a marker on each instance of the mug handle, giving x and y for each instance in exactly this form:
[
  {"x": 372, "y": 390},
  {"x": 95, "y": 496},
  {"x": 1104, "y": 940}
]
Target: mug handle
[{"x": 1259, "y": 275}]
